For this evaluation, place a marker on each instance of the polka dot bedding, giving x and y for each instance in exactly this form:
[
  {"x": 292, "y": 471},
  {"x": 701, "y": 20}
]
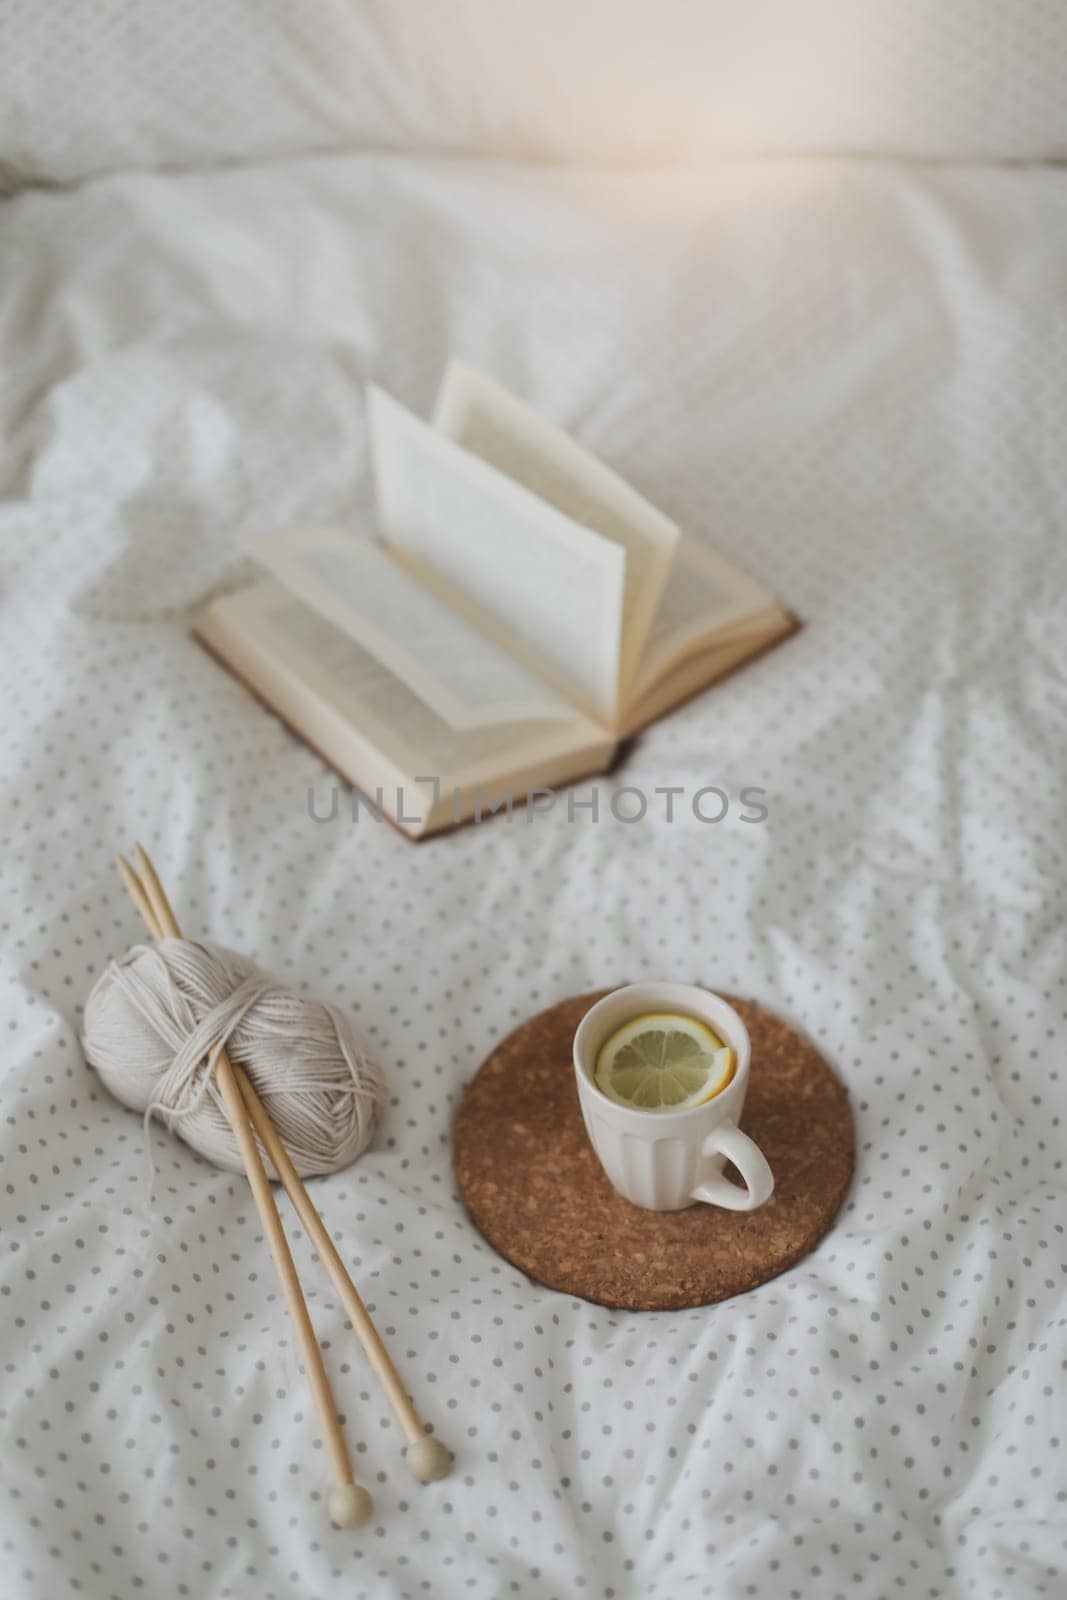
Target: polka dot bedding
[
  {"x": 852, "y": 378},
  {"x": 147, "y": 83}
]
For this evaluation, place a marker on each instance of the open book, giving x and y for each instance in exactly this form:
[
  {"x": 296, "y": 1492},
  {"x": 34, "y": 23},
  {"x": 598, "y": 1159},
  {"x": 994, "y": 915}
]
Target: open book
[{"x": 523, "y": 610}]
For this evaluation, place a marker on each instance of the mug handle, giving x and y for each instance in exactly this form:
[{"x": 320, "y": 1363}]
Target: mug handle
[{"x": 728, "y": 1140}]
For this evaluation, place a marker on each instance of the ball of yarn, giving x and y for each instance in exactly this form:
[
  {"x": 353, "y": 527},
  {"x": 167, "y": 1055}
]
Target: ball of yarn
[{"x": 157, "y": 1019}]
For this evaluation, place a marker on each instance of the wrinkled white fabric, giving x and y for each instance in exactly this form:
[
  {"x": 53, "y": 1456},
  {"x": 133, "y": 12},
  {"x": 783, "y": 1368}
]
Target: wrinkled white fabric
[
  {"x": 853, "y": 379},
  {"x": 147, "y": 83}
]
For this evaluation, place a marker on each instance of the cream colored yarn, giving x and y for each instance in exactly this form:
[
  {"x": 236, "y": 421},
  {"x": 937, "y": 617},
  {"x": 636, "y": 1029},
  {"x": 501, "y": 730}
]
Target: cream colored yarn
[{"x": 157, "y": 1019}]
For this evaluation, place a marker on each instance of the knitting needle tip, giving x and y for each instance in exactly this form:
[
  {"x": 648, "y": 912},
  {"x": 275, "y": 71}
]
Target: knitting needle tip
[
  {"x": 428, "y": 1459},
  {"x": 350, "y": 1506}
]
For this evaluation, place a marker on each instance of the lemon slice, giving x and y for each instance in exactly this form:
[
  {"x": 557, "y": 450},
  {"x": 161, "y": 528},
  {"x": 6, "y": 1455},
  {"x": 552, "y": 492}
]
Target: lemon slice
[{"x": 663, "y": 1063}]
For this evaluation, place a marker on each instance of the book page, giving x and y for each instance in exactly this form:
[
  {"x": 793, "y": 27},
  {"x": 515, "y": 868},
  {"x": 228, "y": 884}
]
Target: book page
[
  {"x": 373, "y": 698},
  {"x": 704, "y": 666},
  {"x": 463, "y": 676},
  {"x": 501, "y": 429},
  {"x": 705, "y": 598},
  {"x": 547, "y": 590},
  {"x": 272, "y": 638}
]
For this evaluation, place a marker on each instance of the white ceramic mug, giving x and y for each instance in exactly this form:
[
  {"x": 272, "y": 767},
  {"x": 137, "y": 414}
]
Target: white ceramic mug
[{"x": 665, "y": 1160}]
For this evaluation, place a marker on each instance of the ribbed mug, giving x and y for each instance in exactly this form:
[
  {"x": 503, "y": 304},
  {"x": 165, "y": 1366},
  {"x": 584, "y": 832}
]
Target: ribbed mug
[{"x": 667, "y": 1160}]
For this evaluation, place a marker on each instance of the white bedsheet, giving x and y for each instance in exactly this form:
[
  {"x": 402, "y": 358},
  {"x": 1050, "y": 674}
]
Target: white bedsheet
[
  {"x": 146, "y": 83},
  {"x": 853, "y": 378}
]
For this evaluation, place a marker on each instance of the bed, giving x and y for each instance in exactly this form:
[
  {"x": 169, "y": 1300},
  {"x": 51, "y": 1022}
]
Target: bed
[{"x": 849, "y": 371}]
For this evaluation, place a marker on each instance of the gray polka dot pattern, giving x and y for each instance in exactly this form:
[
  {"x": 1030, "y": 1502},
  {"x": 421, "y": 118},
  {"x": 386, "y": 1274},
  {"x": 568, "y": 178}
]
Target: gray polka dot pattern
[
  {"x": 144, "y": 83},
  {"x": 853, "y": 379}
]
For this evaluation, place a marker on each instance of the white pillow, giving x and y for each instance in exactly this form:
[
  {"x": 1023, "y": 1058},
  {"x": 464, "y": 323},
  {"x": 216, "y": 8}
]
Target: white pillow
[{"x": 88, "y": 86}]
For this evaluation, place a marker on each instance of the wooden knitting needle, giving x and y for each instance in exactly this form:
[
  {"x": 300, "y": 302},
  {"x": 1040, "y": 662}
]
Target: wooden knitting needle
[
  {"x": 426, "y": 1457},
  {"x": 350, "y": 1505}
]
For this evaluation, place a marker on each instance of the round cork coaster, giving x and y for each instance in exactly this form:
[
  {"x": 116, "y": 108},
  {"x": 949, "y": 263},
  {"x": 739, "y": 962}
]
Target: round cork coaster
[{"x": 535, "y": 1189}]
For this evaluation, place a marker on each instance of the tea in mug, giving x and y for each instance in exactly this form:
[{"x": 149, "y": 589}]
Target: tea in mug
[{"x": 663, "y": 1062}]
